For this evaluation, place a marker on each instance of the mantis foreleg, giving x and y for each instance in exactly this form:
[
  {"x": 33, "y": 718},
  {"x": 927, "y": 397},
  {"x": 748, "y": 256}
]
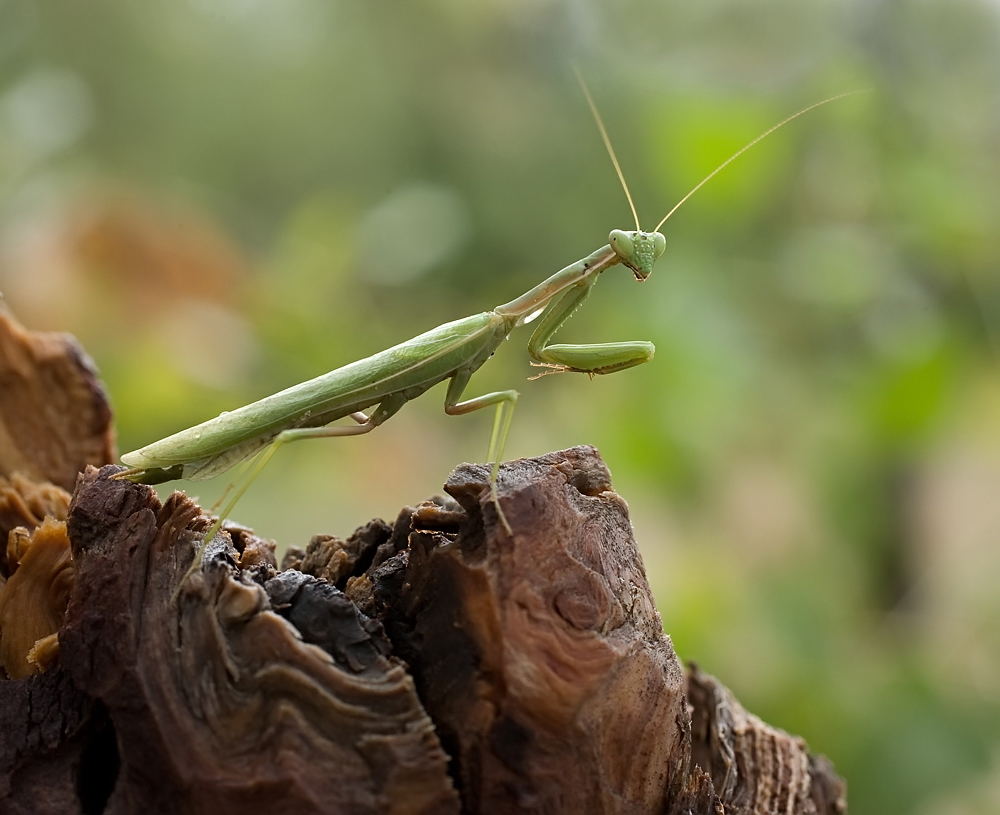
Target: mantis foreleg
[{"x": 594, "y": 358}]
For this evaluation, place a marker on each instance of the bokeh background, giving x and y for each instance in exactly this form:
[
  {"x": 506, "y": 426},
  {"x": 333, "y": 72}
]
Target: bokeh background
[{"x": 221, "y": 198}]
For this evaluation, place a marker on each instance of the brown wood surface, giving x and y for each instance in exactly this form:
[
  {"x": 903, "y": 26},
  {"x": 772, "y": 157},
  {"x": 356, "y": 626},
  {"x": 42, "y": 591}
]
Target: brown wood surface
[{"x": 54, "y": 416}]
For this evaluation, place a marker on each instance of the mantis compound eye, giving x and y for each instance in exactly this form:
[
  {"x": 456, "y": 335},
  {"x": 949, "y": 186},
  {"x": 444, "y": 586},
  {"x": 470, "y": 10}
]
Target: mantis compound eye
[
  {"x": 621, "y": 242},
  {"x": 659, "y": 244}
]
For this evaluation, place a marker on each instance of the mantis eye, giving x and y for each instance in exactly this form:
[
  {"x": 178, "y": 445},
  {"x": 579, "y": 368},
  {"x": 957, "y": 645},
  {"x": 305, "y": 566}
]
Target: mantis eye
[
  {"x": 659, "y": 244},
  {"x": 622, "y": 243}
]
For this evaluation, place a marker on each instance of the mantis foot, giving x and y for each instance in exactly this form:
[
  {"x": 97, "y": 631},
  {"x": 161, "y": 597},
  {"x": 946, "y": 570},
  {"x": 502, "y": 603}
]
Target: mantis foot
[{"x": 553, "y": 369}]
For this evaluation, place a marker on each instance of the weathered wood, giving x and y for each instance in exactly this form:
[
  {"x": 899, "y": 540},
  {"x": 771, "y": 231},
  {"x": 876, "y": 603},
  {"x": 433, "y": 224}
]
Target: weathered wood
[
  {"x": 47, "y": 726},
  {"x": 54, "y": 420},
  {"x": 54, "y": 416},
  {"x": 33, "y": 602},
  {"x": 757, "y": 768},
  {"x": 217, "y": 702},
  {"x": 541, "y": 657},
  {"x": 540, "y": 660},
  {"x": 27, "y": 503}
]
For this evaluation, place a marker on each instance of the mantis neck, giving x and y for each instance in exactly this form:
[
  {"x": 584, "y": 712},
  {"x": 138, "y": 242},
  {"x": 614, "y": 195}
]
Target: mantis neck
[{"x": 538, "y": 297}]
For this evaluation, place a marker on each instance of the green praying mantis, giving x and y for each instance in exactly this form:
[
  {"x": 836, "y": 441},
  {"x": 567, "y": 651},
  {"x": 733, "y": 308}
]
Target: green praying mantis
[{"x": 389, "y": 379}]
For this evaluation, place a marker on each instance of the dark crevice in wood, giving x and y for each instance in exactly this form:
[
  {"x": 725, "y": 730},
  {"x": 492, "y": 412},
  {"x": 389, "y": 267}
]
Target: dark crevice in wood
[{"x": 99, "y": 763}]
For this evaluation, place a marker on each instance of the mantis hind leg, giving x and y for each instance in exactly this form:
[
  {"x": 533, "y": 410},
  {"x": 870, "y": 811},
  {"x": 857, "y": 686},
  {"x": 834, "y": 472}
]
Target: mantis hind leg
[
  {"x": 505, "y": 402},
  {"x": 366, "y": 424},
  {"x": 245, "y": 466}
]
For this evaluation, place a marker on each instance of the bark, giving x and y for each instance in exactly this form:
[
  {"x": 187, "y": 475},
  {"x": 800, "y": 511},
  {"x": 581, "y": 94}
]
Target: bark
[
  {"x": 219, "y": 704},
  {"x": 54, "y": 416},
  {"x": 432, "y": 665}
]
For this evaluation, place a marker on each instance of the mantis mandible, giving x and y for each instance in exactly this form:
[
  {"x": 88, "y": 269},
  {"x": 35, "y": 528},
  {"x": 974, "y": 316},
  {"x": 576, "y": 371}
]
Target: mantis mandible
[{"x": 389, "y": 379}]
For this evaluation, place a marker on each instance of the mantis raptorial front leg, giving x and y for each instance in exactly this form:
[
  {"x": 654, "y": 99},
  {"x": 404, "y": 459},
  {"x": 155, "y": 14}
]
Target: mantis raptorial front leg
[
  {"x": 390, "y": 378},
  {"x": 593, "y": 358}
]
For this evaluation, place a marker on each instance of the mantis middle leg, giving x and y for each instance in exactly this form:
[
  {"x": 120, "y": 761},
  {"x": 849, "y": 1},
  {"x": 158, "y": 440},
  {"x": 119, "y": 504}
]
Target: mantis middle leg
[{"x": 505, "y": 402}]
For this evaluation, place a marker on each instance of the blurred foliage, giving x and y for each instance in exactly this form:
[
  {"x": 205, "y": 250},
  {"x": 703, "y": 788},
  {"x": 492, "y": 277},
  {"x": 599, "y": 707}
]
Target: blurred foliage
[{"x": 221, "y": 198}]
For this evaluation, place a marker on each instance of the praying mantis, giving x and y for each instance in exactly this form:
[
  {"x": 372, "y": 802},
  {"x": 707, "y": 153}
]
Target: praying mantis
[{"x": 389, "y": 379}]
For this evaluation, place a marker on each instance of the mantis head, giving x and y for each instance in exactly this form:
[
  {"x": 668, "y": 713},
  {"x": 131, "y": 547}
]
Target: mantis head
[{"x": 638, "y": 250}]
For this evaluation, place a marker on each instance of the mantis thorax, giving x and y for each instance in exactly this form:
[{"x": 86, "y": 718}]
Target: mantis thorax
[{"x": 638, "y": 250}]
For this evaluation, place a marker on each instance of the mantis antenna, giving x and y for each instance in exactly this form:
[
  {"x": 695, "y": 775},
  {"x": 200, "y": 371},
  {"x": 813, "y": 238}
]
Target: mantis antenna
[
  {"x": 607, "y": 144},
  {"x": 746, "y": 147},
  {"x": 711, "y": 175}
]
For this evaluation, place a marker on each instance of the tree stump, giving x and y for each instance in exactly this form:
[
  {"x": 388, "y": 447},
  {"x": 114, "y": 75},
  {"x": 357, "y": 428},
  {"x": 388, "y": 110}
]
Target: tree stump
[{"x": 433, "y": 665}]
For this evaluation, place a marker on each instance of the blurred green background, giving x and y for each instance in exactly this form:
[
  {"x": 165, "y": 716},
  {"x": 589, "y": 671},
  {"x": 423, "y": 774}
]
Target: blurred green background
[{"x": 221, "y": 198}]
